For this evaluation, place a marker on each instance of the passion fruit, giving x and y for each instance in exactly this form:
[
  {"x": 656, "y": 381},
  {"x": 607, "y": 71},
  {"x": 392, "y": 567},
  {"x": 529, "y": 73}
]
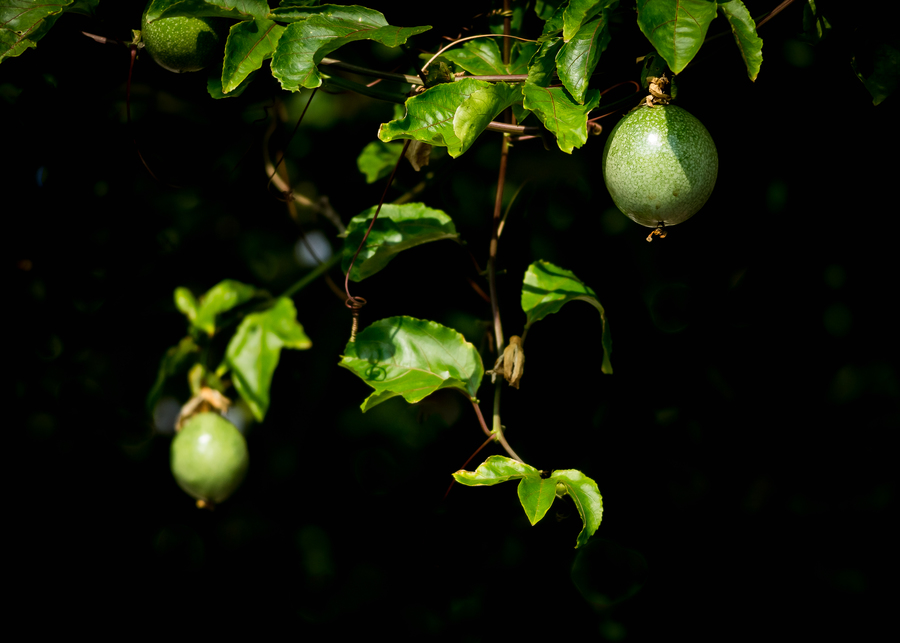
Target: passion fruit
[
  {"x": 183, "y": 43},
  {"x": 209, "y": 458},
  {"x": 660, "y": 165}
]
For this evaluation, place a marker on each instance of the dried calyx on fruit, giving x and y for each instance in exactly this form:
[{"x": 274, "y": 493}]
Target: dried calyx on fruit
[{"x": 183, "y": 43}]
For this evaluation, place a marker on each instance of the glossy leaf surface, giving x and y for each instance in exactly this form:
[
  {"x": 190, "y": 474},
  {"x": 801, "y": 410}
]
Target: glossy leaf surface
[
  {"x": 221, "y": 298},
  {"x": 304, "y": 44},
  {"x": 676, "y": 29},
  {"x": 546, "y": 288},
  {"x": 237, "y": 9},
  {"x": 587, "y": 499},
  {"x": 398, "y": 228},
  {"x": 412, "y": 358},
  {"x": 255, "y": 348},
  {"x": 378, "y": 159},
  {"x": 744, "y": 29},
  {"x": 579, "y": 56},
  {"x": 249, "y": 44},
  {"x": 579, "y": 12},
  {"x": 23, "y": 23},
  {"x": 560, "y": 114},
  {"x": 536, "y": 494},
  {"x": 451, "y": 115}
]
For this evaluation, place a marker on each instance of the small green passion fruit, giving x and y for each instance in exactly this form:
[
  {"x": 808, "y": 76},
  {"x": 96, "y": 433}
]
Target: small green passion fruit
[
  {"x": 209, "y": 458},
  {"x": 660, "y": 165},
  {"x": 182, "y": 43}
]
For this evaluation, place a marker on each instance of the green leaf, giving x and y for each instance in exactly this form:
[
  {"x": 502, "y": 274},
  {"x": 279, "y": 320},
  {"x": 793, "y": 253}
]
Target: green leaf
[
  {"x": 546, "y": 288},
  {"x": 186, "y": 303},
  {"x": 378, "y": 159},
  {"x": 494, "y": 470},
  {"x": 744, "y": 29},
  {"x": 677, "y": 29},
  {"x": 536, "y": 495},
  {"x": 522, "y": 53},
  {"x": 221, "y": 298},
  {"x": 236, "y": 9},
  {"x": 560, "y": 114},
  {"x": 578, "y": 57},
  {"x": 249, "y": 44},
  {"x": 397, "y": 228},
  {"x": 214, "y": 85},
  {"x": 451, "y": 115},
  {"x": 579, "y": 12},
  {"x": 176, "y": 359},
  {"x": 255, "y": 348},
  {"x": 296, "y": 10},
  {"x": 24, "y": 22},
  {"x": 412, "y": 358},
  {"x": 304, "y": 44},
  {"x": 542, "y": 69},
  {"x": 554, "y": 24},
  {"x": 479, "y": 57},
  {"x": 587, "y": 498}
]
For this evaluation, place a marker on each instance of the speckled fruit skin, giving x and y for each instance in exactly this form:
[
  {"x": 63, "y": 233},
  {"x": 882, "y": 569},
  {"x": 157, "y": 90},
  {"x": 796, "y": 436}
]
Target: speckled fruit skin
[
  {"x": 660, "y": 165},
  {"x": 183, "y": 44},
  {"x": 209, "y": 457}
]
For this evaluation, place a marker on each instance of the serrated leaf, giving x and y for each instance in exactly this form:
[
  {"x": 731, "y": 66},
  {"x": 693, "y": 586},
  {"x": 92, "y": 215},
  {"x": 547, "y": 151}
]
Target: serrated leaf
[
  {"x": 236, "y": 9},
  {"x": 304, "y": 44},
  {"x": 560, "y": 114},
  {"x": 24, "y": 22},
  {"x": 542, "y": 68},
  {"x": 255, "y": 348},
  {"x": 214, "y": 85},
  {"x": 554, "y": 24},
  {"x": 412, "y": 358},
  {"x": 547, "y": 288},
  {"x": 744, "y": 29},
  {"x": 249, "y": 44},
  {"x": 377, "y": 160},
  {"x": 578, "y": 57},
  {"x": 174, "y": 361},
  {"x": 522, "y": 53},
  {"x": 676, "y": 29},
  {"x": 221, "y": 298},
  {"x": 479, "y": 57},
  {"x": 536, "y": 495},
  {"x": 398, "y": 228},
  {"x": 494, "y": 470},
  {"x": 296, "y": 10},
  {"x": 587, "y": 499},
  {"x": 451, "y": 115},
  {"x": 579, "y": 12}
]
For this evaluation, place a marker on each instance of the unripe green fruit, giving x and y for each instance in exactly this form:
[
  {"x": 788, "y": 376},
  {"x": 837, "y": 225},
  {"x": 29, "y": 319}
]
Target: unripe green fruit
[
  {"x": 660, "y": 165},
  {"x": 209, "y": 457},
  {"x": 183, "y": 44}
]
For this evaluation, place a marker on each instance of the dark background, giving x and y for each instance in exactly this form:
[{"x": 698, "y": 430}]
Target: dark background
[{"x": 742, "y": 445}]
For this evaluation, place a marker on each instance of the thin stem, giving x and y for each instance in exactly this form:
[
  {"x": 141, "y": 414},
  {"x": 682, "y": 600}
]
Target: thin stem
[
  {"x": 492, "y": 254},
  {"x": 363, "y": 71},
  {"x": 314, "y": 274}
]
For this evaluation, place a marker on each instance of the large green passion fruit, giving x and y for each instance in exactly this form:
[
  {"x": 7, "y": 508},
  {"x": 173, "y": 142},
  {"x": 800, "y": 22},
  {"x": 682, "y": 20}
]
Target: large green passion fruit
[
  {"x": 183, "y": 44},
  {"x": 660, "y": 165},
  {"x": 209, "y": 457}
]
